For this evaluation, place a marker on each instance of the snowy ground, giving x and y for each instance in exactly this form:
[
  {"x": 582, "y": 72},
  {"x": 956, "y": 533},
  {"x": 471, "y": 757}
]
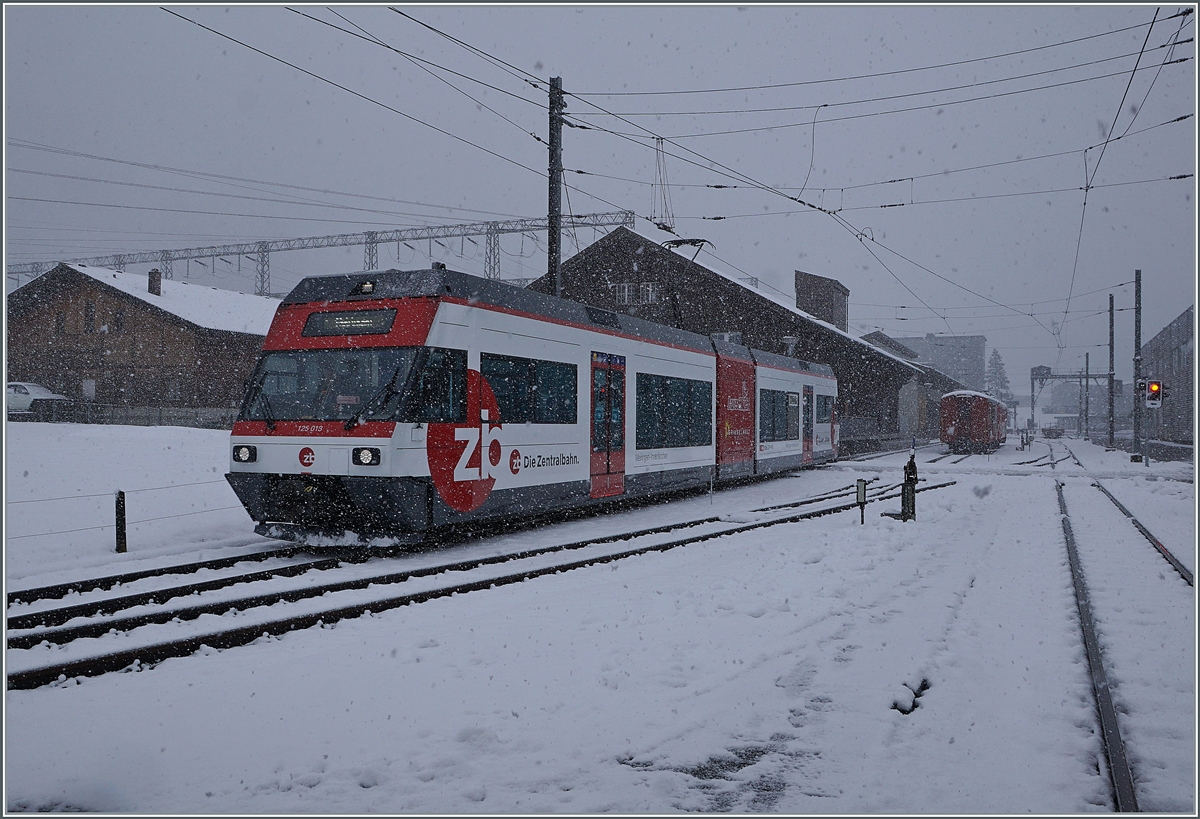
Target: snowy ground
[{"x": 754, "y": 672}]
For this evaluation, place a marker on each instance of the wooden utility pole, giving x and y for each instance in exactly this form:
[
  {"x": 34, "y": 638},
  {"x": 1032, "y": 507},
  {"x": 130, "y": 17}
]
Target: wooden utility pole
[{"x": 554, "y": 217}]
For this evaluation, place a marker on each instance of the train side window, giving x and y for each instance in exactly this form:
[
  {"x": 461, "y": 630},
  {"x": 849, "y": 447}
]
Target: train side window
[
  {"x": 440, "y": 388},
  {"x": 673, "y": 412},
  {"x": 649, "y": 433},
  {"x": 766, "y": 415},
  {"x": 544, "y": 392},
  {"x": 510, "y": 379},
  {"x": 701, "y": 420},
  {"x": 824, "y": 409},
  {"x": 556, "y": 393},
  {"x": 778, "y": 416}
]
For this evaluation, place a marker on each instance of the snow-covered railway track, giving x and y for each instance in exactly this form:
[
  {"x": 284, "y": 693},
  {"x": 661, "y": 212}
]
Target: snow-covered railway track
[
  {"x": 59, "y": 590},
  {"x": 1137, "y": 524},
  {"x": 1120, "y": 774},
  {"x": 47, "y": 617},
  {"x": 1137, "y": 630},
  {"x": 324, "y": 604}
]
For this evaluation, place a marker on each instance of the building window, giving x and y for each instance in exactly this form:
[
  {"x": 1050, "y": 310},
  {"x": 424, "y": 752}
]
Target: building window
[
  {"x": 89, "y": 317},
  {"x": 60, "y": 324},
  {"x": 638, "y": 293},
  {"x": 118, "y": 320}
]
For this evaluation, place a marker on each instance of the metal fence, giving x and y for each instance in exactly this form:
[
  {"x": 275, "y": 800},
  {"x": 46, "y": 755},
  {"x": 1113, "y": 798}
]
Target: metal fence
[{"x": 86, "y": 412}]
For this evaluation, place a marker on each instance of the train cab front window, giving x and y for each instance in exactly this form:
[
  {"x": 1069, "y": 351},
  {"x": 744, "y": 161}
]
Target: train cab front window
[{"x": 378, "y": 384}]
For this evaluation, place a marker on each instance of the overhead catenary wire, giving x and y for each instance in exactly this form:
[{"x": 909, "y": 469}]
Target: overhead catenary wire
[
  {"x": 21, "y": 143},
  {"x": 887, "y": 98},
  {"x": 937, "y": 174},
  {"x": 361, "y": 96},
  {"x": 906, "y": 110},
  {"x": 422, "y": 65},
  {"x": 371, "y": 38},
  {"x": 732, "y": 173},
  {"x": 169, "y": 189},
  {"x": 1096, "y": 169},
  {"x": 879, "y": 74}
]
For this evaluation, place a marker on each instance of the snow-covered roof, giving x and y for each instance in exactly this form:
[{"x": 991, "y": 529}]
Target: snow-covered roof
[
  {"x": 971, "y": 394},
  {"x": 792, "y": 308},
  {"x": 208, "y": 307}
]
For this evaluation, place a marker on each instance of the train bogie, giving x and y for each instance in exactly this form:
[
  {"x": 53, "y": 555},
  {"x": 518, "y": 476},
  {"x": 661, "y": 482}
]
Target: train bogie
[{"x": 396, "y": 402}]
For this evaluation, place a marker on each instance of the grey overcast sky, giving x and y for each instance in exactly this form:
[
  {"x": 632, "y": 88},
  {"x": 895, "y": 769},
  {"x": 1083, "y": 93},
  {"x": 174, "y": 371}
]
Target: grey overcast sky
[{"x": 957, "y": 154}]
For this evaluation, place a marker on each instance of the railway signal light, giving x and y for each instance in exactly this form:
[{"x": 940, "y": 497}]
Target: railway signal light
[{"x": 1154, "y": 393}]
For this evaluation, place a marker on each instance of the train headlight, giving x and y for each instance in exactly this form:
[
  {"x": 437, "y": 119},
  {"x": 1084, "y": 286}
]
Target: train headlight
[
  {"x": 365, "y": 456},
  {"x": 245, "y": 454}
]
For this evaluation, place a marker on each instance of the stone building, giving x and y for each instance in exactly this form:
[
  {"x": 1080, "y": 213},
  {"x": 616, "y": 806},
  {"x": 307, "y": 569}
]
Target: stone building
[{"x": 121, "y": 339}]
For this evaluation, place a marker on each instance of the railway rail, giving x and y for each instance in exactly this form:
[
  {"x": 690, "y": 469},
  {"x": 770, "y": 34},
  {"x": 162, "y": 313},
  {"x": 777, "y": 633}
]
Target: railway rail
[
  {"x": 1137, "y": 524},
  {"x": 1120, "y": 774},
  {"x": 480, "y": 576}
]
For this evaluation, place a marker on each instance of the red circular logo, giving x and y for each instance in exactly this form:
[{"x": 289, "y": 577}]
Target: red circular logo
[
  {"x": 514, "y": 462},
  {"x": 307, "y": 456},
  {"x": 462, "y": 474}
]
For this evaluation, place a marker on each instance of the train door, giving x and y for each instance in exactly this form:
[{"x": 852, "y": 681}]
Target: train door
[
  {"x": 608, "y": 425},
  {"x": 807, "y": 434}
]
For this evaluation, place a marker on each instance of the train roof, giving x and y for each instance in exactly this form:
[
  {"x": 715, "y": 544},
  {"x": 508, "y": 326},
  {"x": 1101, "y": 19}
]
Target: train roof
[
  {"x": 439, "y": 282},
  {"x": 971, "y": 394}
]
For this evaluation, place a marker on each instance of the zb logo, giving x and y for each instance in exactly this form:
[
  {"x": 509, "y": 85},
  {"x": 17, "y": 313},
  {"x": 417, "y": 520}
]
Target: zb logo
[{"x": 465, "y": 458}]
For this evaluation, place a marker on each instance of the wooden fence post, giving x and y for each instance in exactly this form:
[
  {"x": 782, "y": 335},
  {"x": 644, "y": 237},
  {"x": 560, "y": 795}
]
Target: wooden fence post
[{"x": 120, "y": 521}]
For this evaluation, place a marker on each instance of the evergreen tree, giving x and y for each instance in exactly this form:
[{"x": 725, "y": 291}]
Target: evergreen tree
[{"x": 995, "y": 379}]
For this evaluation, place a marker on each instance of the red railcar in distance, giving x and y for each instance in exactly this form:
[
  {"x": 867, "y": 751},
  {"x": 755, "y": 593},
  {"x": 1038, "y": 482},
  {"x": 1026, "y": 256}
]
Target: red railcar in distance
[{"x": 973, "y": 422}]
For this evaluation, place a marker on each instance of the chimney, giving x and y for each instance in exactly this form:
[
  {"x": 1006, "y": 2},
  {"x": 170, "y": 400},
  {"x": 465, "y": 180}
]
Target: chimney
[{"x": 154, "y": 286}]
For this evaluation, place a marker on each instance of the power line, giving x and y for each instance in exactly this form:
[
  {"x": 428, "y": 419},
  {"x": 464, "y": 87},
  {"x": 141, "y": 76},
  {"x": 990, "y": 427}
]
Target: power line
[
  {"x": 914, "y": 108},
  {"x": 875, "y": 75},
  {"x": 371, "y": 38},
  {"x": 218, "y": 193},
  {"x": 982, "y": 306},
  {"x": 20, "y": 143},
  {"x": 361, "y": 96},
  {"x": 777, "y": 109},
  {"x": 519, "y": 73},
  {"x": 419, "y": 63},
  {"x": 1112, "y": 129},
  {"x": 863, "y": 237},
  {"x": 949, "y": 200},
  {"x": 195, "y": 212}
]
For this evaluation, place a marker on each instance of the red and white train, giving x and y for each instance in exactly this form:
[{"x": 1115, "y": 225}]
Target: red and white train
[
  {"x": 973, "y": 422},
  {"x": 394, "y": 403}
]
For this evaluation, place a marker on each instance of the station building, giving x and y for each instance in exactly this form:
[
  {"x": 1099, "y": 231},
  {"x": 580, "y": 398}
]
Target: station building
[
  {"x": 628, "y": 273},
  {"x": 115, "y": 339}
]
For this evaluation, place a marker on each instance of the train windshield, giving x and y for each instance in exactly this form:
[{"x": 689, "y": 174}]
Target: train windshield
[{"x": 378, "y": 384}]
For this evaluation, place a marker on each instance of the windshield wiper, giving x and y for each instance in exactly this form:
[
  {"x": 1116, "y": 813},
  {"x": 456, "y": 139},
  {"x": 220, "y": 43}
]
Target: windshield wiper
[
  {"x": 268, "y": 415},
  {"x": 382, "y": 397}
]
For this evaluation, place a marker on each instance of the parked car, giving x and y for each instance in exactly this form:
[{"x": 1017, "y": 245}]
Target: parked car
[{"x": 20, "y": 395}]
